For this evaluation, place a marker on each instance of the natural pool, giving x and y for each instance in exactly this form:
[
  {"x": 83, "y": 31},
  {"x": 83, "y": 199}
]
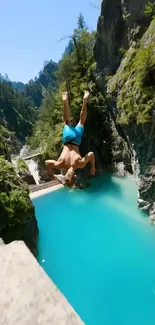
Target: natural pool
[{"x": 99, "y": 249}]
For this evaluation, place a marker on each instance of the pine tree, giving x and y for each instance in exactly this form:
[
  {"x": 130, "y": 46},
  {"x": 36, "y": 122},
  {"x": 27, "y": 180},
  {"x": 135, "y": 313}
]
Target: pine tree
[{"x": 81, "y": 22}]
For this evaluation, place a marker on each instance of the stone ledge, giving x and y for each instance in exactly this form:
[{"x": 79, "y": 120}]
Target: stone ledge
[
  {"x": 35, "y": 188},
  {"x": 27, "y": 295}
]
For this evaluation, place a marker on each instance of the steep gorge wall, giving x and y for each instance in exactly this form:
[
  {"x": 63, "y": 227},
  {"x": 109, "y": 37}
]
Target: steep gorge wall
[{"x": 121, "y": 25}]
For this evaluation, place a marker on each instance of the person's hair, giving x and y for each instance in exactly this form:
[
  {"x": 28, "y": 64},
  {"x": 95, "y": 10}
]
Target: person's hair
[{"x": 69, "y": 180}]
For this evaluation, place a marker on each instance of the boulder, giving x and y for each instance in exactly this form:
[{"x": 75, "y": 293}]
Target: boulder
[{"x": 27, "y": 177}]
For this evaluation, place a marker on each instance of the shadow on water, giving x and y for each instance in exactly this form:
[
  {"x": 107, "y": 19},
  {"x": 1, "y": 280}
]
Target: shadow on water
[
  {"x": 105, "y": 183},
  {"x": 123, "y": 189}
]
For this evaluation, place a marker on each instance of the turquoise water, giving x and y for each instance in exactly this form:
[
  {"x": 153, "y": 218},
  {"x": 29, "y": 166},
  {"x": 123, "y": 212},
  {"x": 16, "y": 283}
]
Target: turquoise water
[{"x": 99, "y": 249}]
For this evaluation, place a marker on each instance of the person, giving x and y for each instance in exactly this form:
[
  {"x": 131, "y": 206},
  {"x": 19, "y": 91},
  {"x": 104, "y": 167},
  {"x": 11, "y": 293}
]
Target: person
[{"x": 70, "y": 158}]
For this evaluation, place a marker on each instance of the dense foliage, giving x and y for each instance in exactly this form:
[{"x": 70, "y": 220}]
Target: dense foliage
[
  {"x": 17, "y": 218},
  {"x": 15, "y": 205},
  {"x": 134, "y": 83},
  {"x": 16, "y": 112},
  {"x": 35, "y": 90},
  {"x": 75, "y": 74},
  {"x": 19, "y": 104},
  {"x": 17, "y": 215},
  {"x": 4, "y": 147},
  {"x": 150, "y": 9},
  {"x": 21, "y": 165},
  {"x": 17, "y": 85}
]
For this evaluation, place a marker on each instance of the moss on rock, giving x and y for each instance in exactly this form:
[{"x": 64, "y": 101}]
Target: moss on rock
[
  {"x": 134, "y": 83},
  {"x": 17, "y": 210}
]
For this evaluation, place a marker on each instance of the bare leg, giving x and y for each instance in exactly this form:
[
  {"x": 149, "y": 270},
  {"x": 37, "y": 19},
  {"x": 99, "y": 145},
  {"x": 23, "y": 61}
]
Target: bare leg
[
  {"x": 83, "y": 114},
  {"x": 49, "y": 165},
  {"x": 65, "y": 107}
]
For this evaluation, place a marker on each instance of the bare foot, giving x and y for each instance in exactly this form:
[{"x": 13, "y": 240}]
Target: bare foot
[
  {"x": 65, "y": 95},
  {"x": 86, "y": 94}
]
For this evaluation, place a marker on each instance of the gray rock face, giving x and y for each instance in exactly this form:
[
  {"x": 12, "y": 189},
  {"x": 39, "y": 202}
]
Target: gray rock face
[
  {"x": 42, "y": 170},
  {"x": 27, "y": 178},
  {"x": 14, "y": 144},
  {"x": 112, "y": 153},
  {"x": 82, "y": 179},
  {"x": 109, "y": 37},
  {"x": 26, "y": 231},
  {"x": 120, "y": 25},
  {"x": 97, "y": 139},
  {"x": 143, "y": 145}
]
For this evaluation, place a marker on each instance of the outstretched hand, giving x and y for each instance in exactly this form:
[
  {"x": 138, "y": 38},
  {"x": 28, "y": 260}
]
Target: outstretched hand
[
  {"x": 86, "y": 94},
  {"x": 65, "y": 95}
]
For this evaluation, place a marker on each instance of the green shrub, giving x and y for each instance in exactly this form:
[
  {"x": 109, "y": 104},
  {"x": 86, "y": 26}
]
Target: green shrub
[
  {"x": 135, "y": 87},
  {"x": 150, "y": 9},
  {"x": 15, "y": 204},
  {"x": 123, "y": 52},
  {"x": 22, "y": 166}
]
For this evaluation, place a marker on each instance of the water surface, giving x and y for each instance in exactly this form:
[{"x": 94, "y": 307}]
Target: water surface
[{"x": 99, "y": 249}]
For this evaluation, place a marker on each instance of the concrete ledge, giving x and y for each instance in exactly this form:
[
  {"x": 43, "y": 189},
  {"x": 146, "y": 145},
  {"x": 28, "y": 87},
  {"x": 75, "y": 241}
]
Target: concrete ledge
[
  {"x": 44, "y": 191},
  {"x": 35, "y": 188},
  {"x": 27, "y": 294}
]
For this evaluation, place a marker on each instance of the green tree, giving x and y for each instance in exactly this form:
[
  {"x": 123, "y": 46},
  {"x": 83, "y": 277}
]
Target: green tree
[
  {"x": 15, "y": 205},
  {"x": 150, "y": 9},
  {"x": 81, "y": 22},
  {"x": 36, "y": 89},
  {"x": 17, "y": 217},
  {"x": 17, "y": 114},
  {"x": 69, "y": 48}
]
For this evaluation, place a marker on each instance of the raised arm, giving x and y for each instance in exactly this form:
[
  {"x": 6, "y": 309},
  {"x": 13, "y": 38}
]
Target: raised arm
[
  {"x": 65, "y": 107},
  {"x": 50, "y": 164},
  {"x": 89, "y": 158},
  {"x": 83, "y": 114}
]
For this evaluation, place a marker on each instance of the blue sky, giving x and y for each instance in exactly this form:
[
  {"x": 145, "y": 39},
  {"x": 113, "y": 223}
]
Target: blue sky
[{"x": 31, "y": 29}]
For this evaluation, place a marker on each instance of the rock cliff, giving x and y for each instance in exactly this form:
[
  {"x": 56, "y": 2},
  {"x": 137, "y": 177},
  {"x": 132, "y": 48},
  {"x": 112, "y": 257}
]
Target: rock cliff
[
  {"x": 121, "y": 22},
  {"x": 124, "y": 53},
  {"x": 17, "y": 214}
]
